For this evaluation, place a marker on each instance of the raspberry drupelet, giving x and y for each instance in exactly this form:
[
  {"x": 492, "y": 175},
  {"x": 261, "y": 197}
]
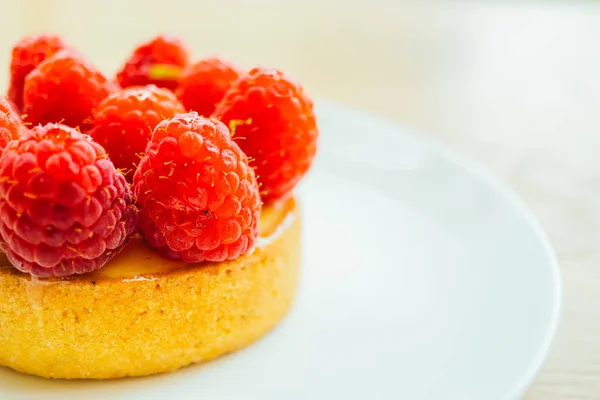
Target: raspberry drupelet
[
  {"x": 10, "y": 123},
  {"x": 64, "y": 209},
  {"x": 124, "y": 121},
  {"x": 64, "y": 89},
  {"x": 272, "y": 120},
  {"x": 198, "y": 197}
]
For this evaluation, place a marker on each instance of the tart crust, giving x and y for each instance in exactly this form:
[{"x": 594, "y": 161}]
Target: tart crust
[{"x": 142, "y": 314}]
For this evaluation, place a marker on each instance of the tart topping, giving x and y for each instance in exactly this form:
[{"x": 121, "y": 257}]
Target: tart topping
[
  {"x": 198, "y": 178},
  {"x": 272, "y": 120},
  {"x": 64, "y": 209},
  {"x": 198, "y": 198}
]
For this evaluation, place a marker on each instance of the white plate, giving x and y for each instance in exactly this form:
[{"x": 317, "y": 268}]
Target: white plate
[{"x": 423, "y": 279}]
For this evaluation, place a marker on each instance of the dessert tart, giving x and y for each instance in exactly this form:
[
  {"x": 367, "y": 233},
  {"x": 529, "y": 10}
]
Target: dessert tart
[{"x": 137, "y": 236}]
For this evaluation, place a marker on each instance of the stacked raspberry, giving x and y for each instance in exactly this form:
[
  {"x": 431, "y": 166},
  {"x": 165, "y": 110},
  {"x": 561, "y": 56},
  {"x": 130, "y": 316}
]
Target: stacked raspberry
[
  {"x": 64, "y": 208},
  {"x": 167, "y": 149}
]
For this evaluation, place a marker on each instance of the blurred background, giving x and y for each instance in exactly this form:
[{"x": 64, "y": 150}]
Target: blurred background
[{"x": 514, "y": 85}]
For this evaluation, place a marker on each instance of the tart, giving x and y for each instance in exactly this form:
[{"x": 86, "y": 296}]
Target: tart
[{"x": 137, "y": 238}]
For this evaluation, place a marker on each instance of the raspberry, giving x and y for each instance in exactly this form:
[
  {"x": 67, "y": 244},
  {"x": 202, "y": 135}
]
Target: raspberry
[
  {"x": 10, "y": 123},
  {"x": 272, "y": 120},
  {"x": 158, "y": 61},
  {"x": 27, "y": 54},
  {"x": 204, "y": 84},
  {"x": 64, "y": 209},
  {"x": 198, "y": 197},
  {"x": 124, "y": 121},
  {"x": 64, "y": 89}
]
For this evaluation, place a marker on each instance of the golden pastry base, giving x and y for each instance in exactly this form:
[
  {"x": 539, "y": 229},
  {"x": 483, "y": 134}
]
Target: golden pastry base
[{"x": 143, "y": 314}]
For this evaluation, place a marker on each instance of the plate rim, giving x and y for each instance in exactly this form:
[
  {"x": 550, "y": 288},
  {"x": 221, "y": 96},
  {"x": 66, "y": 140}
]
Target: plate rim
[{"x": 497, "y": 184}]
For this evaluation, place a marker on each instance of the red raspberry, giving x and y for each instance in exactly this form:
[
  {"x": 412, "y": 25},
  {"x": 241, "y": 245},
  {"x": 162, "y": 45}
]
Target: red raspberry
[
  {"x": 272, "y": 120},
  {"x": 64, "y": 209},
  {"x": 10, "y": 123},
  {"x": 204, "y": 84},
  {"x": 27, "y": 54},
  {"x": 124, "y": 121},
  {"x": 198, "y": 197},
  {"x": 158, "y": 61},
  {"x": 64, "y": 88}
]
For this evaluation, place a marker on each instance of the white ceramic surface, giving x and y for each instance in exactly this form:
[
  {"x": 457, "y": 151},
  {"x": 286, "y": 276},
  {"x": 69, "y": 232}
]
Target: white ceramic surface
[{"x": 423, "y": 279}]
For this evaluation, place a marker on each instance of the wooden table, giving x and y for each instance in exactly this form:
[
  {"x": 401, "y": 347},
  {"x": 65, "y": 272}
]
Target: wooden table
[{"x": 515, "y": 86}]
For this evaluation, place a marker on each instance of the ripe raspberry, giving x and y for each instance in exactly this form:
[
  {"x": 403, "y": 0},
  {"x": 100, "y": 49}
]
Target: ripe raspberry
[
  {"x": 64, "y": 209},
  {"x": 159, "y": 61},
  {"x": 27, "y": 54},
  {"x": 10, "y": 123},
  {"x": 64, "y": 88},
  {"x": 199, "y": 198},
  {"x": 272, "y": 120},
  {"x": 124, "y": 121},
  {"x": 204, "y": 84}
]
